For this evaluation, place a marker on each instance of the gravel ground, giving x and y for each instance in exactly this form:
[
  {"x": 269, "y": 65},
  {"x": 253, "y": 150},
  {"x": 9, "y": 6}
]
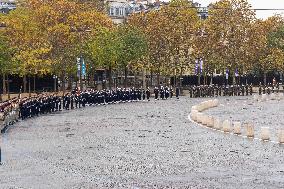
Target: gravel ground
[{"x": 138, "y": 145}]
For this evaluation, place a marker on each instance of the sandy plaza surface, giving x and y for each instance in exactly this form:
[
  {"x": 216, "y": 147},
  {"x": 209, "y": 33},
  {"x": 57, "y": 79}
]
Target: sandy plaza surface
[{"x": 143, "y": 145}]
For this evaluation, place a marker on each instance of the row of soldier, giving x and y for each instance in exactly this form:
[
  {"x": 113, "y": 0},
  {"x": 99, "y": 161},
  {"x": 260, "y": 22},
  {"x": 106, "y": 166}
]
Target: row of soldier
[
  {"x": 77, "y": 99},
  {"x": 43, "y": 104},
  {"x": 9, "y": 112},
  {"x": 218, "y": 90},
  {"x": 269, "y": 88}
]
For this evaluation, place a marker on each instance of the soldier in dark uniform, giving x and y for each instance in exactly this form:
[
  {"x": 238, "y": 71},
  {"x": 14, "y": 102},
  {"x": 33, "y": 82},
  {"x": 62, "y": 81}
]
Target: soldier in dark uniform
[
  {"x": 250, "y": 89},
  {"x": 148, "y": 94},
  {"x": 259, "y": 88},
  {"x": 243, "y": 90},
  {"x": 247, "y": 90},
  {"x": 277, "y": 88},
  {"x": 268, "y": 90},
  {"x": 72, "y": 101},
  {"x": 167, "y": 93},
  {"x": 190, "y": 91},
  {"x": 162, "y": 93},
  {"x": 143, "y": 95},
  {"x": 263, "y": 89},
  {"x": 171, "y": 92},
  {"x": 156, "y": 92},
  {"x": 177, "y": 92}
]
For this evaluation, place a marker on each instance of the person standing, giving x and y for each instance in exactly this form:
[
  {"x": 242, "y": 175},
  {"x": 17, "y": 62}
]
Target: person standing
[
  {"x": 177, "y": 92},
  {"x": 156, "y": 91}
]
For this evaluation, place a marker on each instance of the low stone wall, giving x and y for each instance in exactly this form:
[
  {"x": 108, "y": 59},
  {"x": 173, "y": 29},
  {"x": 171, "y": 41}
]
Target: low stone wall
[{"x": 245, "y": 130}]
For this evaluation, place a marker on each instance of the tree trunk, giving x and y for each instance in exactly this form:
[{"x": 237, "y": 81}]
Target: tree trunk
[
  {"x": 110, "y": 78},
  {"x": 135, "y": 79},
  {"x": 62, "y": 77},
  {"x": 199, "y": 79},
  {"x": 144, "y": 78},
  {"x": 34, "y": 83},
  {"x": 70, "y": 82},
  {"x": 24, "y": 84},
  {"x": 264, "y": 78},
  {"x": 92, "y": 79},
  {"x": 180, "y": 79},
  {"x": 158, "y": 78},
  {"x": 4, "y": 84},
  {"x": 30, "y": 86},
  {"x": 151, "y": 78},
  {"x": 8, "y": 87},
  {"x": 54, "y": 85},
  {"x": 125, "y": 77}
]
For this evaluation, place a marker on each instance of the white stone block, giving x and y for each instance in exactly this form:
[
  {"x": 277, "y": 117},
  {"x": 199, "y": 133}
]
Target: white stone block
[
  {"x": 249, "y": 130},
  {"x": 273, "y": 96},
  {"x": 217, "y": 123},
  {"x": 193, "y": 114},
  {"x": 280, "y": 96},
  {"x": 210, "y": 121},
  {"x": 204, "y": 119},
  {"x": 264, "y": 97},
  {"x": 194, "y": 108},
  {"x": 281, "y": 136},
  {"x": 256, "y": 97},
  {"x": 215, "y": 102},
  {"x": 237, "y": 128},
  {"x": 199, "y": 117},
  {"x": 226, "y": 126},
  {"x": 264, "y": 133}
]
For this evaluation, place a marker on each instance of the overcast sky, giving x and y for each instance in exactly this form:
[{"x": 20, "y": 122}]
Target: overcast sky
[{"x": 257, "y": 4}]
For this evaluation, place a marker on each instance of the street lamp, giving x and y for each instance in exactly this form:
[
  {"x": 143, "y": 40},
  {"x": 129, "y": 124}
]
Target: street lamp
[{"x": 54, "y": 84}]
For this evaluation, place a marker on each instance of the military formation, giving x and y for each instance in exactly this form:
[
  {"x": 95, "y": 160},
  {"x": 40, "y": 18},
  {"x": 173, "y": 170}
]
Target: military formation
[
  {"x": 25, "y": 108},
  {"x": 220, "y": 90},
  {"x": 269, "y": 88},
  {"x": 9, "y": 111}
]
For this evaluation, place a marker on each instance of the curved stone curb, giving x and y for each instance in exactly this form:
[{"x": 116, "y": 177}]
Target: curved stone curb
[{"x": 233, "y": 128}]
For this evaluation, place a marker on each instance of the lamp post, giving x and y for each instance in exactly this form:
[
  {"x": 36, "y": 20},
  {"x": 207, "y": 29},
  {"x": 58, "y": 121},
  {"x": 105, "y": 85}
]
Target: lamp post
[
  {"x": 54, "y": 84},
  {"x": 80, "y": 77}
]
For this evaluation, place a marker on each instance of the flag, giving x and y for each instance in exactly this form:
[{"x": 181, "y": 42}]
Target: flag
[
  {"x": 196, "y": 67},
  {"x": 236, "y": 72},
  {"x": 227, "y": 73},
  {"x": 83, "y": 67},
  {"x": 201, "y": 64}
]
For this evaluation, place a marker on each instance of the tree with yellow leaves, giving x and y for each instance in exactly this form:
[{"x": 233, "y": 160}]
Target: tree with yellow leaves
[
  {"x": 228, "y": 36},
  {"x": 28, "y": 42},
  {"x": 267, "y": 56},
  {"x": 169, "y": 32}
]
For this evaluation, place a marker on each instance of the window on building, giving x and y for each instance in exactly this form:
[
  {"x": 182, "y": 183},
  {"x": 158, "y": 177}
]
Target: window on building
[
  {"x": 116, "y": 11},
  {"x": 121, "y": 11},
  {"x": 111, "y": 11}
]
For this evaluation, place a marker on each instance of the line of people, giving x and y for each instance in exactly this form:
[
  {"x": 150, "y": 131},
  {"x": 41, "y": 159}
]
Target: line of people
[
  {"x": 269, "y": 88},
  {"x": 44, "y": 104},
  {"x": 220, "y": 90}
]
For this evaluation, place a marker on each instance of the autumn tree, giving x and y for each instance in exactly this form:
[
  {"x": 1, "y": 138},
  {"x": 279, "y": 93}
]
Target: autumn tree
[
  {"x": 132, "y": 46},
  {"x": 29, "y": 43},
  {"x": 169, "y": 32},
  {"x": 229, "y": 32},
  {"x": 6, "y": 64},
  {"x": 267, "y": 55},
  {"x": 104, "y": 51}
]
